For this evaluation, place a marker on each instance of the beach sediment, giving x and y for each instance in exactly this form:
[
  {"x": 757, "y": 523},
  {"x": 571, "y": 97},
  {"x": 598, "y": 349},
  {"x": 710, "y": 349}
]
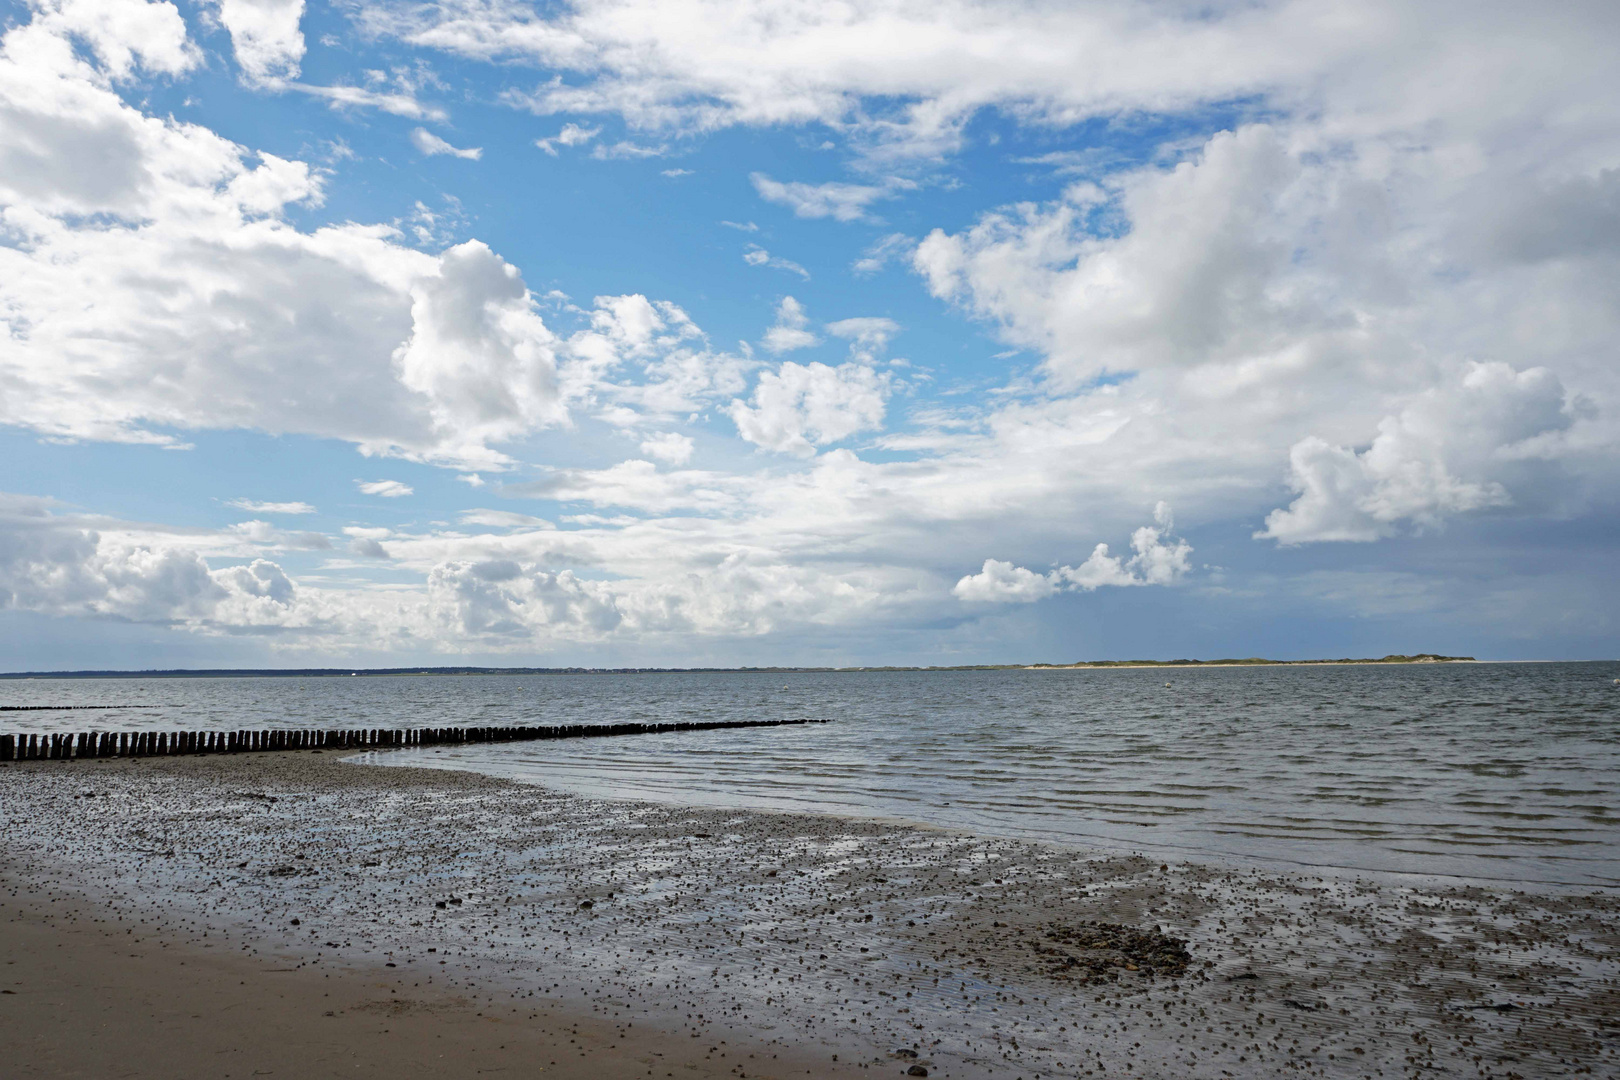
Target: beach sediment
[{"x": 889, "y": 946}]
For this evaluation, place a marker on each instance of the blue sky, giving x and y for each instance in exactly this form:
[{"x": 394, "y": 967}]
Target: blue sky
[{"x": 710, "y": 332}]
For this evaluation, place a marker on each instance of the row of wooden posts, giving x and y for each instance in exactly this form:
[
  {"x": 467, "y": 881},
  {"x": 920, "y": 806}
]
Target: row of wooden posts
[{"x": 104, "y": 744}]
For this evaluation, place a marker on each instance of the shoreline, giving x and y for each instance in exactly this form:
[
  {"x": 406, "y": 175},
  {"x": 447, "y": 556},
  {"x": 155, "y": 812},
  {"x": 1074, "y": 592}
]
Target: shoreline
[
  {"x": 817, "y": 936},
  {"x": 342, "y": 673}
]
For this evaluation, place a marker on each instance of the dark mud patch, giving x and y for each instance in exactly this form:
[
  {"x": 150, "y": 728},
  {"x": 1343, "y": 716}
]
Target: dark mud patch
[{"x": 1097, "y": 952}]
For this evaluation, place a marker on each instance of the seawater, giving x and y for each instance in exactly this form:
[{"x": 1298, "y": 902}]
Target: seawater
[{"x": 1506, "y": 772}]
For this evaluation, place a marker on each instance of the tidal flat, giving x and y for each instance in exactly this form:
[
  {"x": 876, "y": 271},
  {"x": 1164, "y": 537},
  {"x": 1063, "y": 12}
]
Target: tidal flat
[{"x": 839, "y": 945}]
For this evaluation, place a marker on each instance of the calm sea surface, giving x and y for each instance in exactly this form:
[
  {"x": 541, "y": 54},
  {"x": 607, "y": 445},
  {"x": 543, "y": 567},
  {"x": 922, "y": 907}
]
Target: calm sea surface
[{"x": 1501, "y": 771}]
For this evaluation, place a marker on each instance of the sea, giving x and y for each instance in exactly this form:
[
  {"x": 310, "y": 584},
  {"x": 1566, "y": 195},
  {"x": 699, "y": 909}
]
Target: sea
[{"x": 1496, "y": 772}]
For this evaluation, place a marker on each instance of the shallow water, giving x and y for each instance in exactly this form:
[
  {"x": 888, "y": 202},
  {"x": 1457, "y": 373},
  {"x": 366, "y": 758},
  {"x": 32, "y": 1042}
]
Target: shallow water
[{"x": 1495, "y": 771}]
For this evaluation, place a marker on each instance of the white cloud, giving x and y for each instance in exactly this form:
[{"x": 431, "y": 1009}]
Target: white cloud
[
  {"x": 868, "y": 336},
  {"x": 265, "y": 36},
  {"x": 758, "y": 256},
  {"x": 895, "y": 246},
  {"x": 570, "y": 135},
  {"x": 504, "y": 519},
  {"x": 1395, "y": 296},
  {"x": 802, "y": 406},
  {"x": 387, "y": 489},
  {"x": 670, "y": 447},
  {"x": 1194, "y": 279},
  {"x": 1439, "y": 457},
  {"x": 636, "y": 484},
  {"x": 155, "y": 284},
  {"x": 122, "y": 35},
  {"x": 264, "y": 535},
  {"x": 1002, "y": 582},
  {"x": 841, "y": 202},
  {"x": 902, "y": 78},
  {"x": 625, "y": 150},
  {"x": 675, "y": 174},
  {"x": 644, "y": 361},
  {"x": 791, "y": 330},
  {"x": 253, "y": 507},
  {"x": 64, "y": 565},
  {"x": 396, "y": 102},
  {"x": 428, "y": 145},
  {"x": 1159, "y": 559}
]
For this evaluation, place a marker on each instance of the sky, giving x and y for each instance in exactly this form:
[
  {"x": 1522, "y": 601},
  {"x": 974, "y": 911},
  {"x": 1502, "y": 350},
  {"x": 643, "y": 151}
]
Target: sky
[{"x": 741, "y": 332}]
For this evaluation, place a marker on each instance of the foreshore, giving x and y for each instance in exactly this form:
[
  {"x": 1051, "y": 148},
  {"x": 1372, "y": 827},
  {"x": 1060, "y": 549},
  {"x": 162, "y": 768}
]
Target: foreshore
[{"x": 447, "y": 912}]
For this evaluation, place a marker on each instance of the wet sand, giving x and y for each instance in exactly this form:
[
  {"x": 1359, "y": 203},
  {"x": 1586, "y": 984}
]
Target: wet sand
[
  {"x": 841, "y": 946},
  {"x": 83, "y": 999}
]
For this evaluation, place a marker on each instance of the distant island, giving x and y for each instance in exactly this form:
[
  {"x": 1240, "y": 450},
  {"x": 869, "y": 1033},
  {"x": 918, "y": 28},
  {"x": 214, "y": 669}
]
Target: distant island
[
  {"x": 308, "y": 673},
  {"x": 1260, "y": 661}
]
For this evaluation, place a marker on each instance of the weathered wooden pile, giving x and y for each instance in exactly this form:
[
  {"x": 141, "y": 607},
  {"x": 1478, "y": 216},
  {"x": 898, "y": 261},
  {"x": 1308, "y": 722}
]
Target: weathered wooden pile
[{"x": 103, "y": 744}]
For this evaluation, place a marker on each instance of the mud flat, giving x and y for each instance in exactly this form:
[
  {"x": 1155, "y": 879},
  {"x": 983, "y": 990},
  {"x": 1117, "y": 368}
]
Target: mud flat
[{"x": 440, "y": 905}]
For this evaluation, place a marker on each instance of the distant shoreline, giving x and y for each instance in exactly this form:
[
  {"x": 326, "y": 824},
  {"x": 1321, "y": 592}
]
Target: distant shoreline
[
  {"x": 1254, "y": 661},
  {"x": 316, "y": 673}
]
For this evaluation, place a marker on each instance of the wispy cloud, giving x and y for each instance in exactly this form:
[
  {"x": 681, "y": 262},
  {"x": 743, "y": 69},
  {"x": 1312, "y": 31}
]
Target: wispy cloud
[
  {"x": 254, "y": 507},
  {"x": 430, "y": 145},
  {"x": 387, "y": 489},
  {"x": 624, "y": 150},
  {"x": 570, "y": 135},
  {"x": 758, "y": 256},
  {"x": 357, "y": 97},
  {"x": 841, "y": 202}
]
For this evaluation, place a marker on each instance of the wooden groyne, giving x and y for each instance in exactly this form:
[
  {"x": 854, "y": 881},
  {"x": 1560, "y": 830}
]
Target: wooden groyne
[{"x": 110, "y": 744}]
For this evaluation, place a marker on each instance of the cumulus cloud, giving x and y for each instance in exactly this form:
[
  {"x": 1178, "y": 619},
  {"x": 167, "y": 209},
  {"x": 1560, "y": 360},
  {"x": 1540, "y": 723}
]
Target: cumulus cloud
[
  {"x": 1194, "y": 279},
  {"x": 791, "y": 329},
  {"x": 266, "y": 38},
  {"x": 125, "y": 36},
  {"x": 1394, "y": 295},
  {"x": 504, "y": 598},
  {"x": 430, "y": 145},
  {"x": 643, "y": 361},
  {"x": 670, "y": 447},
  {"x": 387, "y": 489},
  {"x": 1440, "y": 456},
  {"x": 1159, "y": 559},
  {"x": 64, "y": 565},
  {"x": 153, "y": 282},
  {"x": 479, "y": 352},
  {"x": 802, "y": 406}
]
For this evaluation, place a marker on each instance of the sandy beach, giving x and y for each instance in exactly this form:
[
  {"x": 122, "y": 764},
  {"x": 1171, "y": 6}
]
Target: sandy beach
[{"x": 291, "y": 914}]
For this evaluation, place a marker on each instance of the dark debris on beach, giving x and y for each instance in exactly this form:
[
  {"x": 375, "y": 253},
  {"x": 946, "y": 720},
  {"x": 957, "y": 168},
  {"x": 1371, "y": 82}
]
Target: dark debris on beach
[{"x": 1102, "y": 950}]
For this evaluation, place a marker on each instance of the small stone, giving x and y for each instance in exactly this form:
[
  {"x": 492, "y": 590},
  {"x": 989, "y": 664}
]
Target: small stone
[{"x": 917, "y": 1070}]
